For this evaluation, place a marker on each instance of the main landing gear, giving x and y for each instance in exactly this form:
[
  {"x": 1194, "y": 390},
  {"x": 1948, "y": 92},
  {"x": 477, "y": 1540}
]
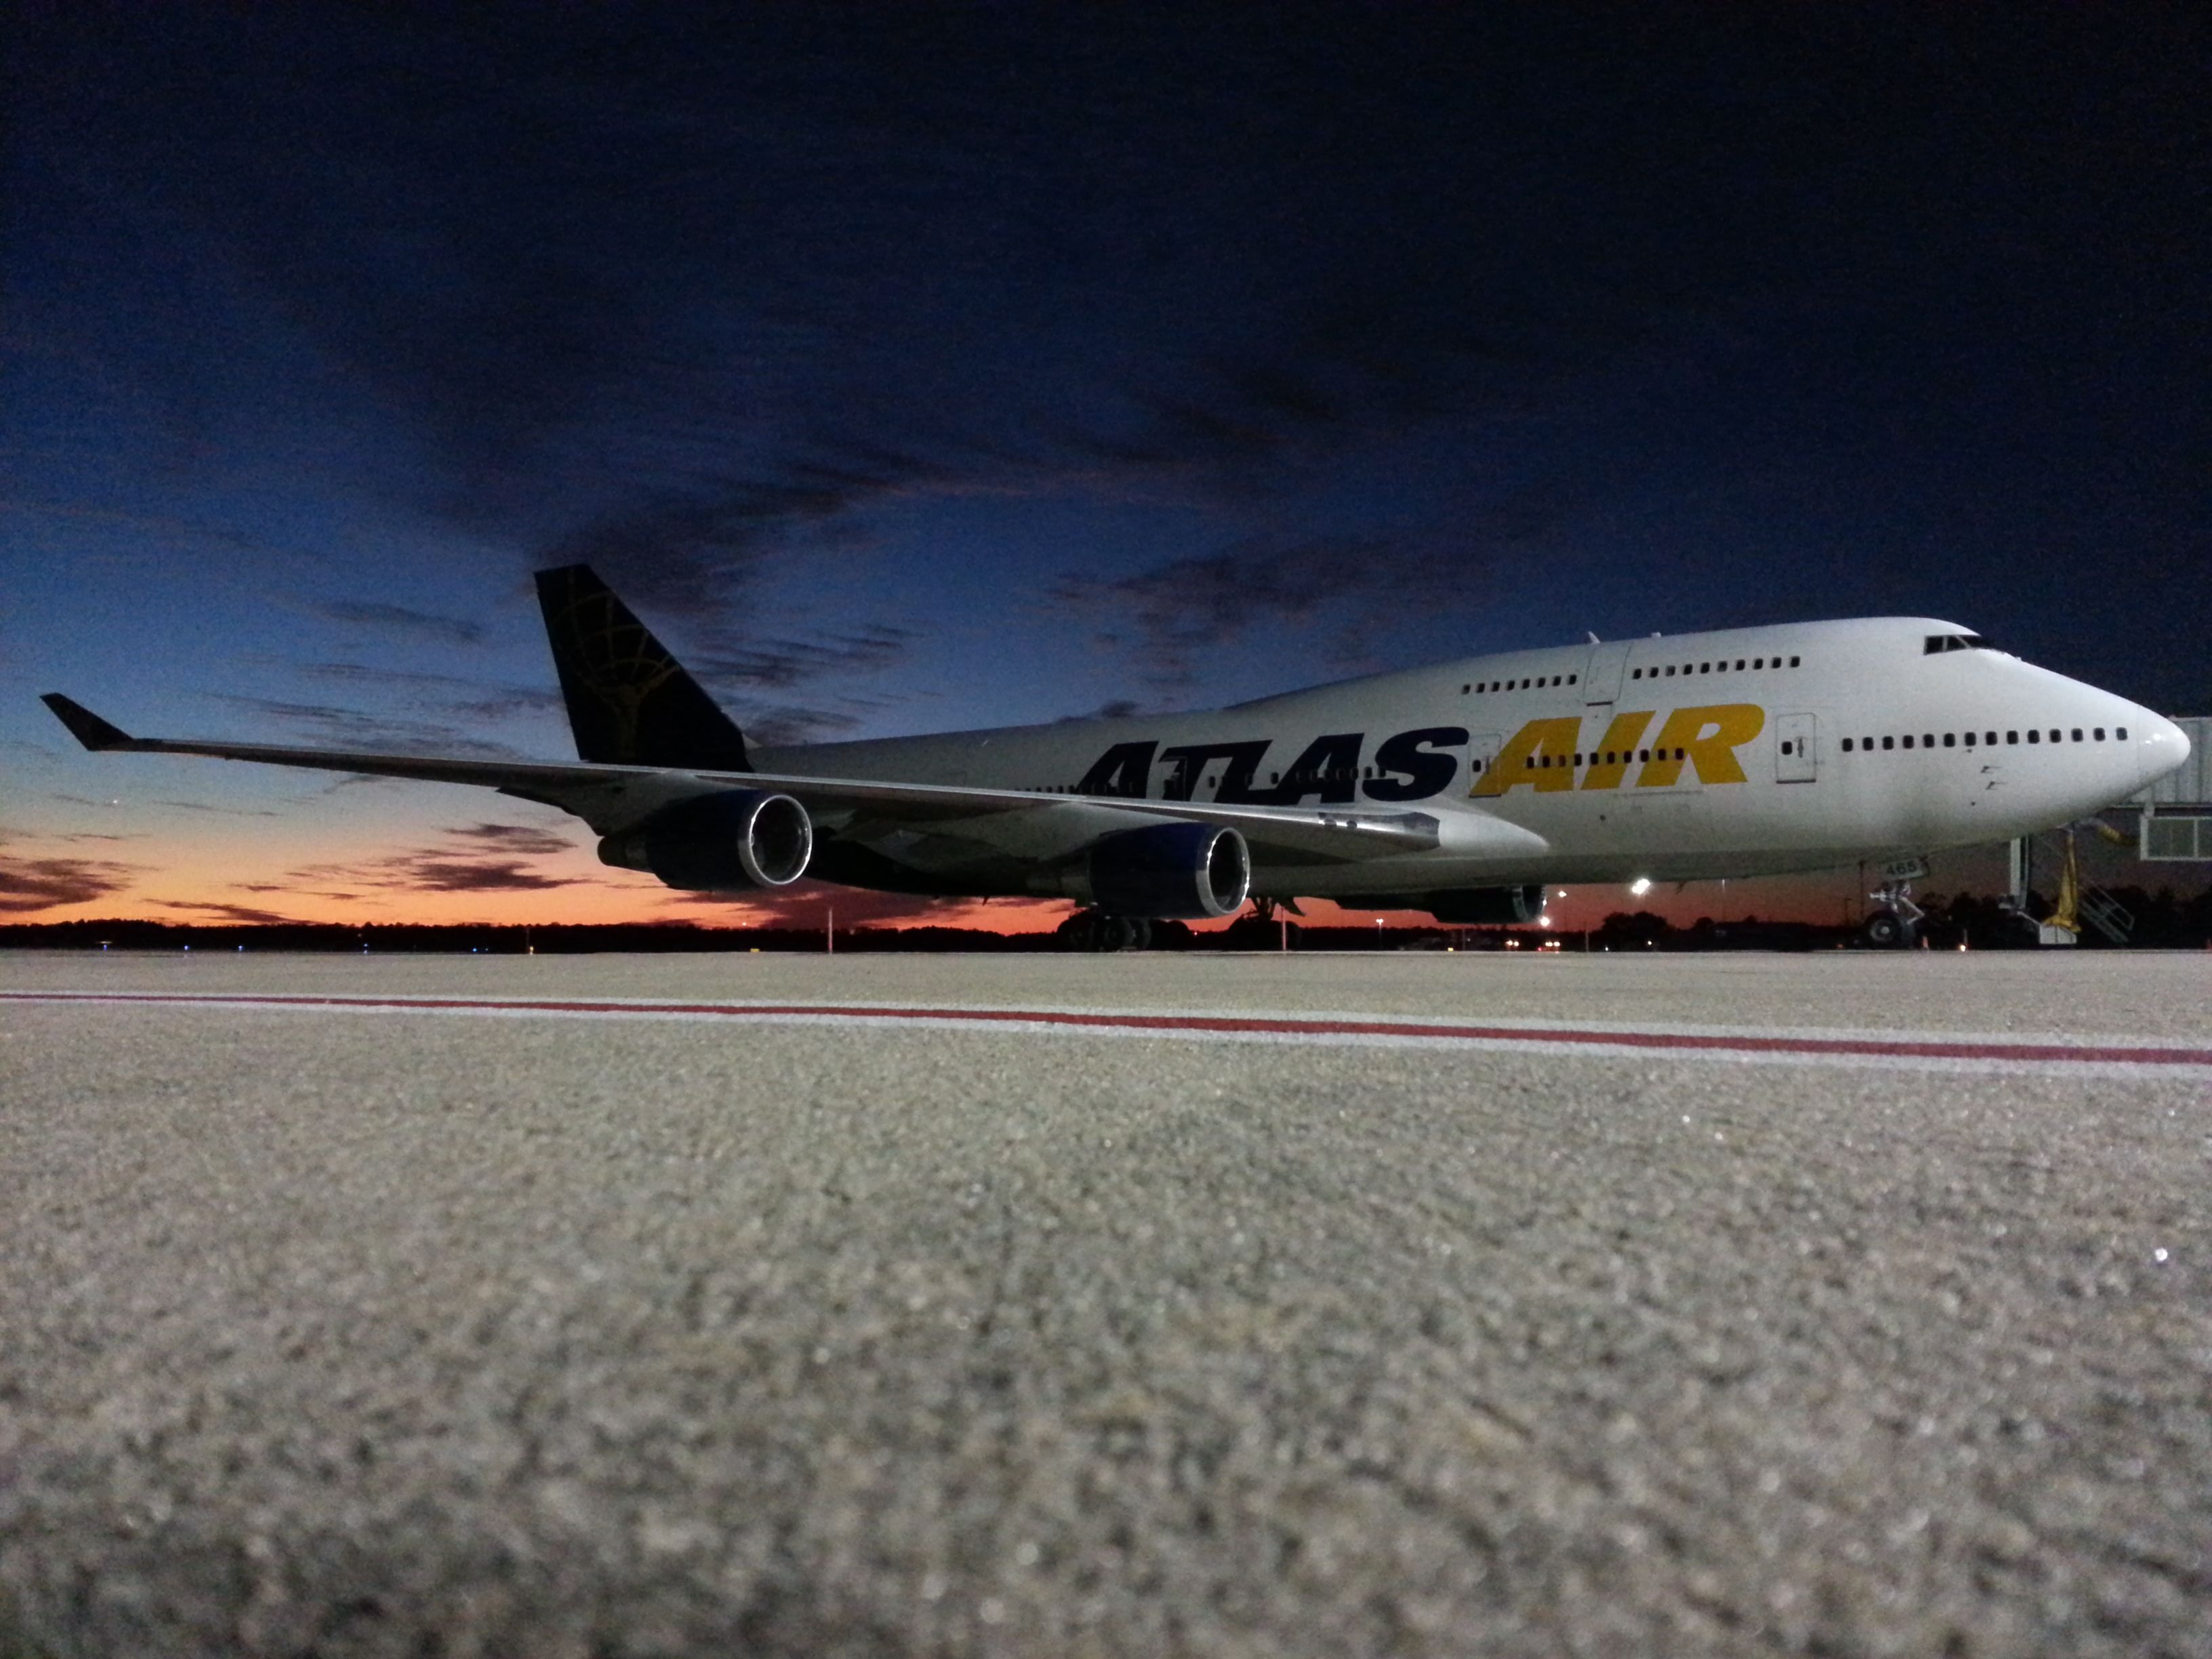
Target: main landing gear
[
  {"x": 1094, "y": 930},
  {"x": 1895, "y": 924}
]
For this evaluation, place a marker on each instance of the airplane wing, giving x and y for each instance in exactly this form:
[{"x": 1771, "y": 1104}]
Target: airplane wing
[{"x": 611, "y": 798}]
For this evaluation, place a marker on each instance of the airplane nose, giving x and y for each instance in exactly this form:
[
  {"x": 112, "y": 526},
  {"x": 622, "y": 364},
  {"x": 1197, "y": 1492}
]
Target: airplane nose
[{"x": 2165, "y": 746}]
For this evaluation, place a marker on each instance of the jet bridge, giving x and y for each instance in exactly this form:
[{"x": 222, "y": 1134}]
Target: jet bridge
[{"x": 2174, "y": 815}]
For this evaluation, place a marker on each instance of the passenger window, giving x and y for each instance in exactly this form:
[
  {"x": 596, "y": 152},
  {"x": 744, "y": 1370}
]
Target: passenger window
[
  {"x": 2035, "y": 737},
  {"x": 1989, "y": 738},
  {"x": 1681, "y": 754},
  {"x": 1636, "y": 674},
  {"x": 2077, "y": 734},
  {"x": 1464, "y": 689},
  {"x": 1847, "y": 746},
  {"x": 1794, "y": 661},
  {"x": 1970, "y": 740},
  {"x": 2121, "y": 733},
  {"x": 1478, "y": 766},
  {"x": 1927, "y": 739},
  {"x": 1865, "y": 743},
  {"x": 1704, "y": 668},
  {"x": 1644, "y": 754},
  {"x": 2100, "y": 734},
  {"x": 1739, "y": 664},
  {"x": 1671, "y": 670},
  {"x": 1788, "y": 750},
  {"x": 1570, "y": 680},
  {"x": 2054, "y": 734},
  {"x": 2012, "y": 737},
  {"x": 1950, "y": 739},
  {"x": 1908, "y": 740},
  {"x": 1889, "y": 742}
]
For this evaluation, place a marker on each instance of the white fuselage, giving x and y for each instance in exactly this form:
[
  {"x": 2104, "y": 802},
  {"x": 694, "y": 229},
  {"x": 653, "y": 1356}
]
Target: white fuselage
[{"x": 1801, "y": 747}]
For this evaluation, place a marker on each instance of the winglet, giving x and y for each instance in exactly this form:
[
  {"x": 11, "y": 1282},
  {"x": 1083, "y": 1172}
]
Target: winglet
[{"x": 86, "y": 727}]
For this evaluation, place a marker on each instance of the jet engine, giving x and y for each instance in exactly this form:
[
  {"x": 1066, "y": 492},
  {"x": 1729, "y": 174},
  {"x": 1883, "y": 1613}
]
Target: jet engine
[
  {"x": 726, "y": 843},
  {"x": 1484, "y": 907},
  {"x": 1184, "y": 870}
]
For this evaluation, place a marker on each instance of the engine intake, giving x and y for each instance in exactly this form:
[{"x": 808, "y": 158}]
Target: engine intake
[
  {"x": 1179, "y": 870},
  {"x": 727, "y": 843}
]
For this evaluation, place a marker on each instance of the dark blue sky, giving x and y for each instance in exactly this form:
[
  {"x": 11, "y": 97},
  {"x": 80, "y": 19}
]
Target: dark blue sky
[{"x": 918, "y": 367}]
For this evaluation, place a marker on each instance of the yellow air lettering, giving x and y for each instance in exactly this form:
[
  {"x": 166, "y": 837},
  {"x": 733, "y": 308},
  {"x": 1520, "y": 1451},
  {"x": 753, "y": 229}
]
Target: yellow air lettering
[
  {"x": 1542, "y": 755},
  {"x": 1618, "y": 741},
  {"x": 1708, "y": 737}
]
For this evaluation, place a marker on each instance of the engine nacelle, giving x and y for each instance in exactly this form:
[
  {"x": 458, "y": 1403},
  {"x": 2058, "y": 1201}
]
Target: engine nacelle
[
  {"x": 1484, "y": 906},
  {"x": 1180, "y": 870},
  {"x": 726, "y": 843}
]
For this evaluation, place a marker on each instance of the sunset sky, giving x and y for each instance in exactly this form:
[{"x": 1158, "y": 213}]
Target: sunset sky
[{"x": 912, "y": 369}]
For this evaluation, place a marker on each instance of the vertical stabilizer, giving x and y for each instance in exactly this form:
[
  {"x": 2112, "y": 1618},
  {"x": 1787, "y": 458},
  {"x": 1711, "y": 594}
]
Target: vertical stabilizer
[{"x": 629, "y": 702}]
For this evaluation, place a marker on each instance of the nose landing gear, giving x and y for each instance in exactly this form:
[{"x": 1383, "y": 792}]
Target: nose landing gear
[{"x": 1895, "y": 924}]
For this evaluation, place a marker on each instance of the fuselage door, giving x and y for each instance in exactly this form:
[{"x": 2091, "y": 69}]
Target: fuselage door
[
  {"x": 1796, "y": 748},
  {"x": 1481, "y": 755},
  {"x": 1601, "y": 679}
]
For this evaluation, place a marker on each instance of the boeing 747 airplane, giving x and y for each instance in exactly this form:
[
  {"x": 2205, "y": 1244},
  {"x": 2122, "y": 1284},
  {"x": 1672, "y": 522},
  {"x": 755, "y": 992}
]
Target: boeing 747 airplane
[{"x": 1463, "y": 790}]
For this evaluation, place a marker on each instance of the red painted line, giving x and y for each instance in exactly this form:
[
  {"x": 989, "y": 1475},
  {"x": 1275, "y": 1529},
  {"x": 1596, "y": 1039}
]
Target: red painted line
[{"x": 1212, "y": 1025}]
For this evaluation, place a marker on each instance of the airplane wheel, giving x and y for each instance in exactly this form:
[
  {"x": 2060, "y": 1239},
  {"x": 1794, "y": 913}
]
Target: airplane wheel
[
  {"x": 1886, "y": 930},
  {"x": 1096, "y": 932}
]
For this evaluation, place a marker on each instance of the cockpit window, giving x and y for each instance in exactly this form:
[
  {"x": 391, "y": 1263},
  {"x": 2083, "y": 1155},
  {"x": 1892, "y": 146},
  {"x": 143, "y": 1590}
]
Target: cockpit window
[{"x": 1940, "y": 643}]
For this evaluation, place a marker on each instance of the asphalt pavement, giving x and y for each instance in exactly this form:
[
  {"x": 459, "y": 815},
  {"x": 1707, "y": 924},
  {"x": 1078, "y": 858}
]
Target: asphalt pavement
[{"x": 377, "y": 1331}]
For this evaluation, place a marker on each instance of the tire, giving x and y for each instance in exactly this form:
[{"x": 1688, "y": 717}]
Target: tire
[{"x": 1886, "y": 930}]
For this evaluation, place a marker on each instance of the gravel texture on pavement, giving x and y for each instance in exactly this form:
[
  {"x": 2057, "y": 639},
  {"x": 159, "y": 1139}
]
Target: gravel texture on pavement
[{"x": 350, "y": 1333}]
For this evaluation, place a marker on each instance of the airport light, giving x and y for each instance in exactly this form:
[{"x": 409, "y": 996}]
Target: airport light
[{"x": 1640, "y": 886}]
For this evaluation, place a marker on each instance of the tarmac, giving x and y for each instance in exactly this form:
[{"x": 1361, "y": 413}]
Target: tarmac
[{"x": 1293, "y": 1305}]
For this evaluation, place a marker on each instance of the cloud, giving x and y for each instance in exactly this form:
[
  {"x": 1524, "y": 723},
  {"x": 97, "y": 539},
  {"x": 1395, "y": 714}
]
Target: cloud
[
  {"x": 779, "y": 665},
  {"x": 400, "y": 619},
  {"x": 688, "y": 334},
  {"x": 1115, "y": 708},
  {"x": 327, "y": 725},
  {"x": 1173, "y": 614},
  {"x": 425, "y": 873},
  {"x": 519, "y": 840},
  {"x": 30, "y": 885},
  {"x": 449, "y": 694},
  {"x": 238, "y": 913},
  {"x": 222, "y": 811},
  {"x": 479, "y": 858}
]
